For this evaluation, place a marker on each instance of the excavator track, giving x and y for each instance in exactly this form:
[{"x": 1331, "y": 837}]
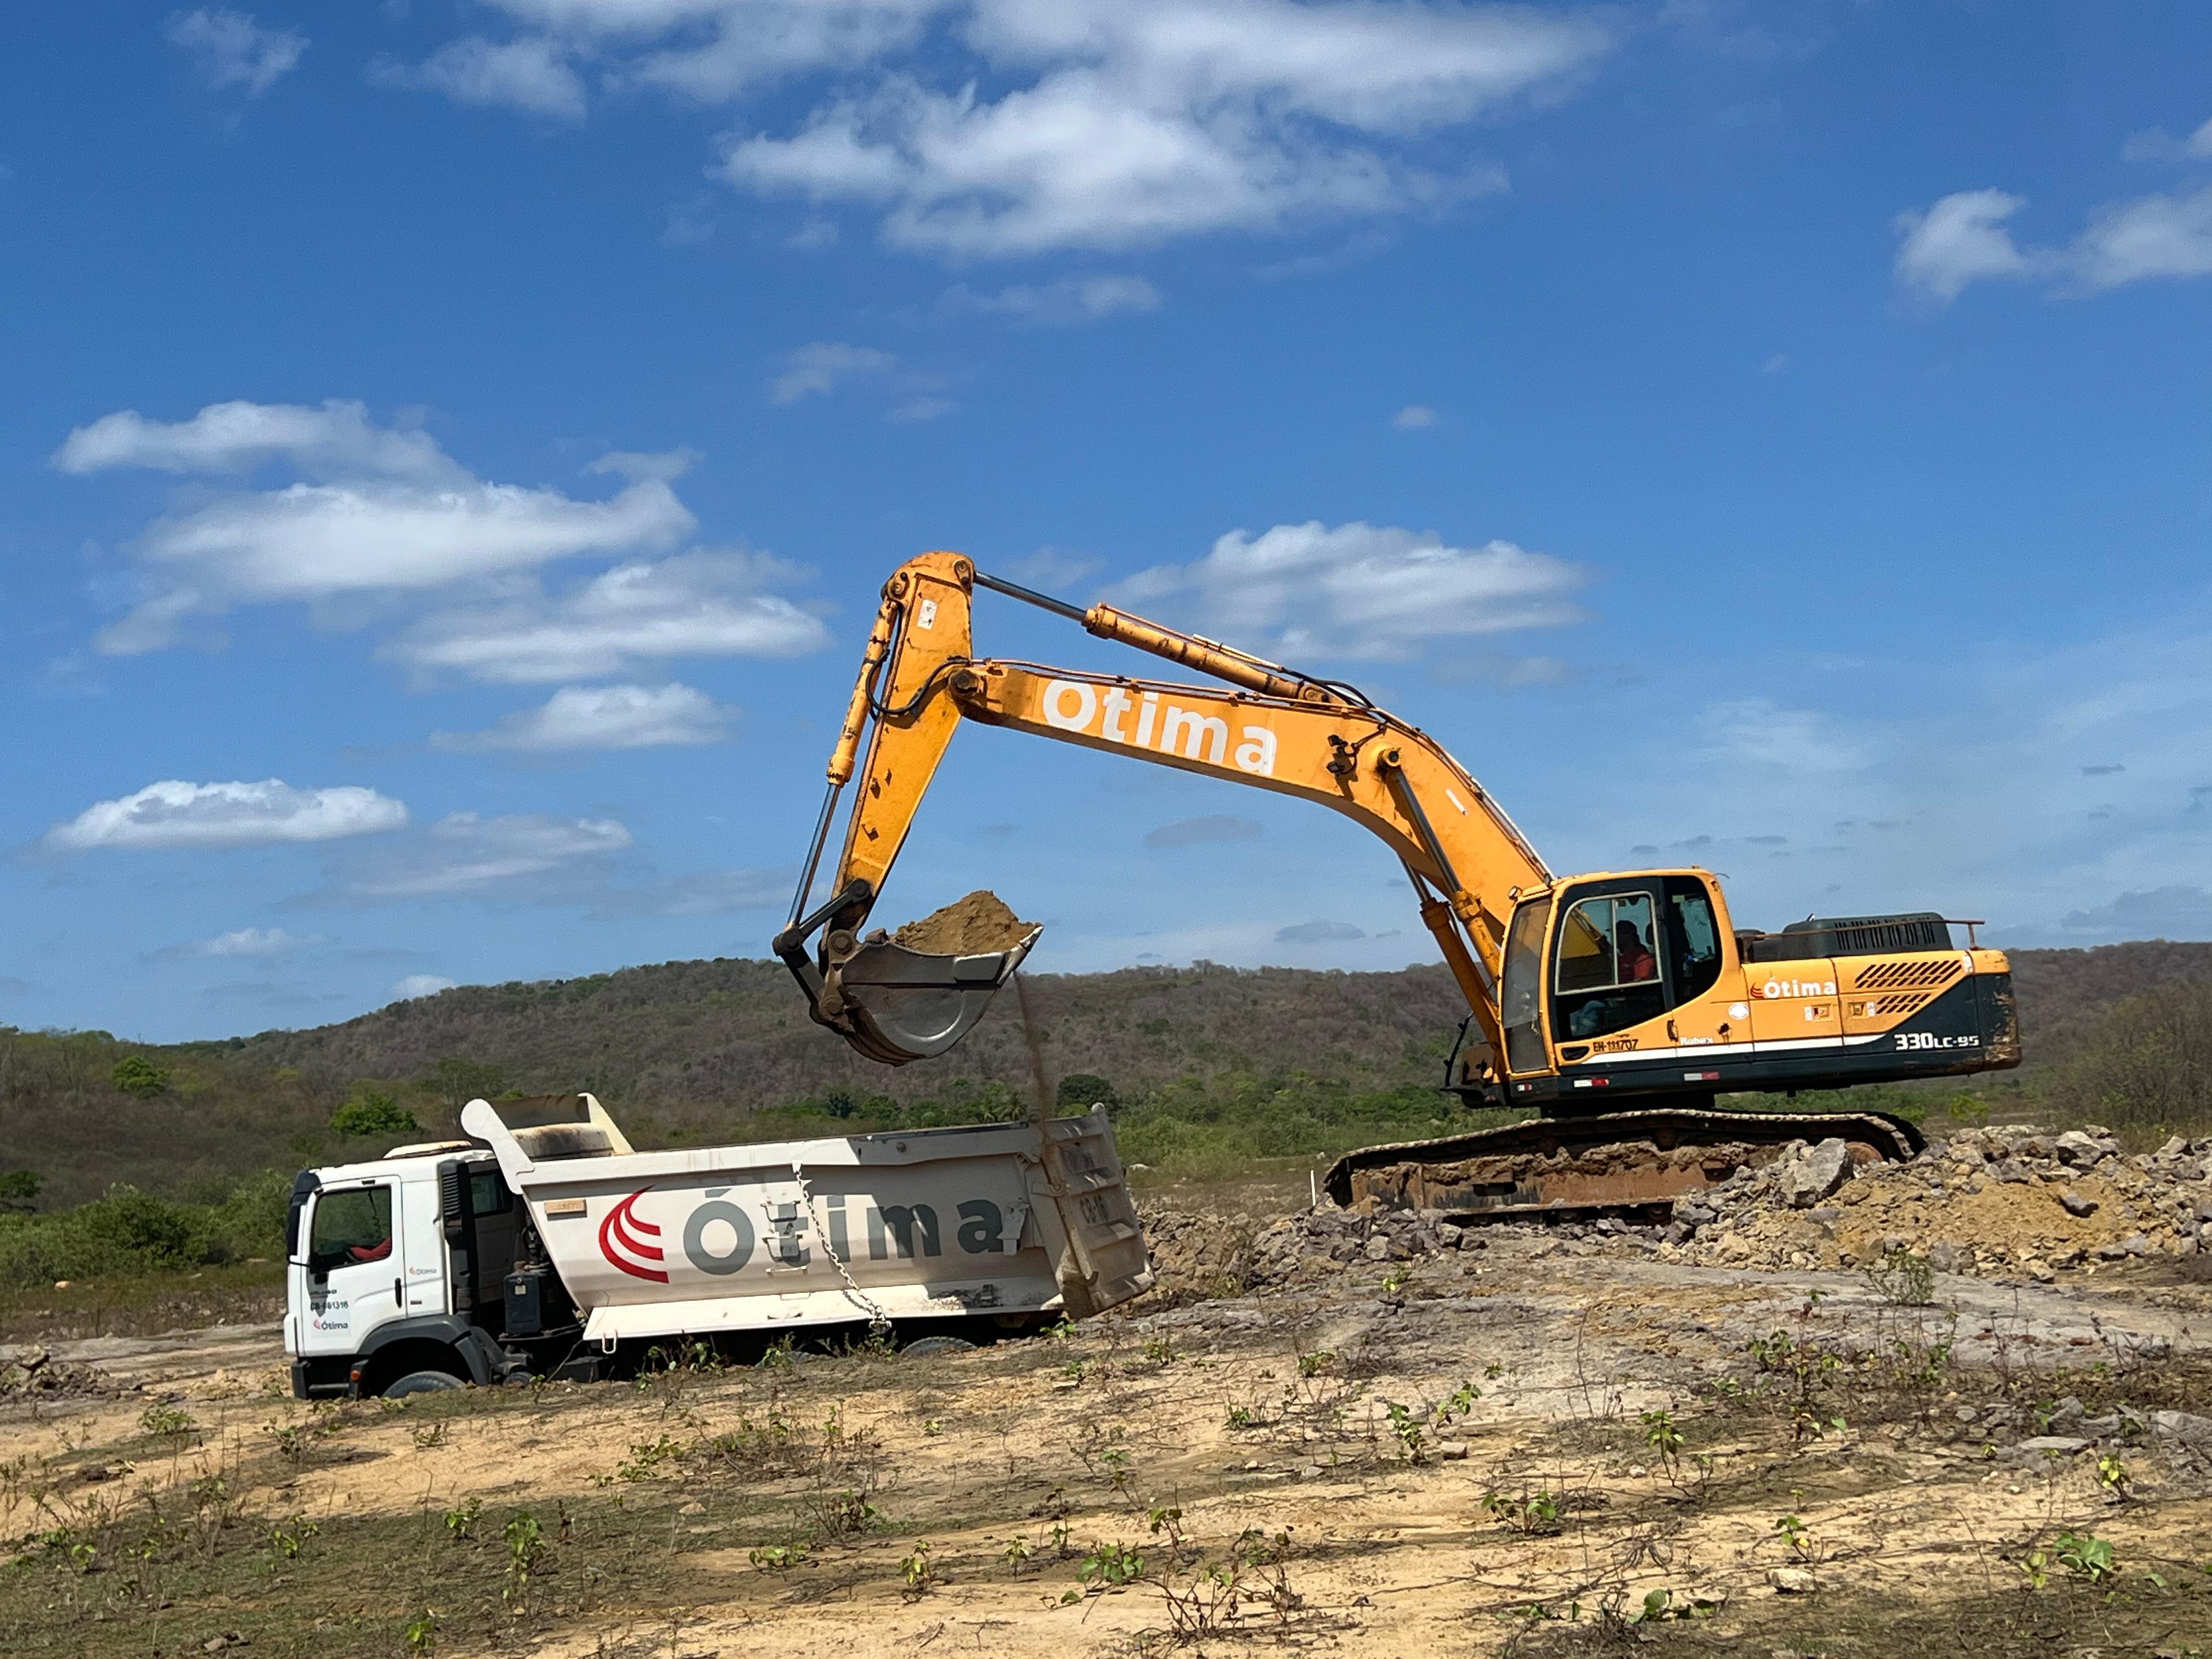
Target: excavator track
[{"x": 1608, "y": 1163}]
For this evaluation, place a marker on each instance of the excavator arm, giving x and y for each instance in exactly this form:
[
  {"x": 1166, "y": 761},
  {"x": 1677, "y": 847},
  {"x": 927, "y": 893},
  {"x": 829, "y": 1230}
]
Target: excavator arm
[{"x": 1271, "y": 728}]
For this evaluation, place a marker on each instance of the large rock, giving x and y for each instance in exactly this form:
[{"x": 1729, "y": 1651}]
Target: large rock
[{"x": 1812, "y": 1174}]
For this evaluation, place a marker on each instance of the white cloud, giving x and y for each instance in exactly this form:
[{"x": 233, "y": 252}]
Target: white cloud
[
  {"x": 1062, "y": 302},
  {"x": 604, "y": 717},
  {"x": 2159, "y": 145},
  {"x": 637, "y": 615},
  {"x": 1318, "y": 932},
  {"x": 171, "y": 814},
  {"x": 337, "y": 439},
  {"x": 464, "y": 854},
  {"x": 2151, "y": 236},
  {"x": 1362, "y": 590},
  {"x": 1414, "y": 417},
  {"x": 229, "y": 49},
  {"x": 420, "y": 985},
  {"x": 1960, "y": 240},
  {"x": 244, "y": 942},
  {"x": 921, "y": 408},
  {"x": 1963, "y": 240},
  {"x": 1759, "y": 732},
  {"x": 2178, "y": 911},
  {"x": 377, "y": 510},
  {"x": 823, "y": 367},
  {"x": 532, "y": 74},
  {"x": 1107, "y": 124}
]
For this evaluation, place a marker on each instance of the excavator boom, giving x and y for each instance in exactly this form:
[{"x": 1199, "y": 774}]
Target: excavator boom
[{"x": 1586, "y": 991}]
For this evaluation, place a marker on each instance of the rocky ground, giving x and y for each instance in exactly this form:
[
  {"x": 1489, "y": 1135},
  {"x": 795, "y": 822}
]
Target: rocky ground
[{"x": 1770, "y": 1425}]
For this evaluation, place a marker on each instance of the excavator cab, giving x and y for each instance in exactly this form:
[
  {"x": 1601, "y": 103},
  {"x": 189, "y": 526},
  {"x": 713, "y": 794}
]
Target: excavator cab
[{"x": 1625, "y": 951}]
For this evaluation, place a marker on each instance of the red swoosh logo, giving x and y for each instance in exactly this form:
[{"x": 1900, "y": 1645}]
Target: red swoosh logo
[{"x": 617, "y": 1234}]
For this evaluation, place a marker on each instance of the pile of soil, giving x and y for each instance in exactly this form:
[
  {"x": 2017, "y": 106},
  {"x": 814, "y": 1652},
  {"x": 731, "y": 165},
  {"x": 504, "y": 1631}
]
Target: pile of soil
[
  {"x": 2001, "y": 1201},
  {"x": 970, "y": 926},
  {"x": 33, "y": 1371}
]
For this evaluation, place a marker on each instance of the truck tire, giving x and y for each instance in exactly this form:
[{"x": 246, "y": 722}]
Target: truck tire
[
  {"x": 420, "y": 1383},
  {"x": 928, "y": 1347}
]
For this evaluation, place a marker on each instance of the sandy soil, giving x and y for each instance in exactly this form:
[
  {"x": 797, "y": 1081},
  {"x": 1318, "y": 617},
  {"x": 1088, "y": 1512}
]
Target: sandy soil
[{"x": 1516, "y": 1495}]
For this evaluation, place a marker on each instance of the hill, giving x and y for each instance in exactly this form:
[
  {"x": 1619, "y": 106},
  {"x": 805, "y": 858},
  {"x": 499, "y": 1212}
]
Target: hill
[{"x": 1210, "y": 1061}]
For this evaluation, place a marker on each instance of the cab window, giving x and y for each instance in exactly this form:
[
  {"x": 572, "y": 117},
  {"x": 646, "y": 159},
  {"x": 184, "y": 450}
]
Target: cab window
[
  {"x": 1522, "y": 993},
  {"x": 487, "y": 1194},
  {"x": 1607, "y": 977},
  {"x": 350, "y": 1225},
  {"x": 1694, "y": 939}
]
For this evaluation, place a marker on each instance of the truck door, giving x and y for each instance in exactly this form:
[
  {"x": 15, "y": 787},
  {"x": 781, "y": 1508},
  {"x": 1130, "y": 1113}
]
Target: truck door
[{"x": 357, "y": 1267}]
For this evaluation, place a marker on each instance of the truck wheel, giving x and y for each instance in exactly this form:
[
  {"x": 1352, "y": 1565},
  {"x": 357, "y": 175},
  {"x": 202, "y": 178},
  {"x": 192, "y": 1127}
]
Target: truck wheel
[
  {"x": 422, "y": 1382},
  {"x": 927, "y": 1346}
]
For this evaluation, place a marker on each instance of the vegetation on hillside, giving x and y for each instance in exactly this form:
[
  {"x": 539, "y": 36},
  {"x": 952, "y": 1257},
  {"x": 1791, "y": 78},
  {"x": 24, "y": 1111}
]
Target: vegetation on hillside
[{"x": 1202, "y": 1066}]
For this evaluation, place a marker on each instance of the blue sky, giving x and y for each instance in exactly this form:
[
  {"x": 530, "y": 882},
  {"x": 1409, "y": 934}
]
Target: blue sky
[{"x": 450, "y": 452}]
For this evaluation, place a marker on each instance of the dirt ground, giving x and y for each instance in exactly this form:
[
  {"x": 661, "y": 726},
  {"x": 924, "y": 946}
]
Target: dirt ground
[{"x": 1534, "y": 1446}]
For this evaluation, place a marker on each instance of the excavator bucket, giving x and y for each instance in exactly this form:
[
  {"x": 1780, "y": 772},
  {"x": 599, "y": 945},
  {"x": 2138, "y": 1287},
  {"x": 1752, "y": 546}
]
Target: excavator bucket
[{"x": 913, "y": 994}]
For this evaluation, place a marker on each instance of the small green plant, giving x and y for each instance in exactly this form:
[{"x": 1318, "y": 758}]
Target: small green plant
[
  {"x": 1017, "y": 1553},
  {"x": 1405, "y": 1428},
  {"x": 777, "y": 1558},
  {"x": 646, "y": 1458},
  {"x": 1664, "y": 1437},
  {"x": 2036, "y": 1569},
  {"x": 1243, "y": 1417},
  {"x": 1459, "y": 1402},
  {"x": 1394, "y": 1280},
  {"x": 2085, "y": 1557},
  {"x": 2113, "y": 1475},
  {"x": 1115, "y": 1460},
  {"x": 1797, "y": 1535},
  {"x": 1319, "y": 1362},
  {"x": 1159, "y": 1351},
  {"x": 1902, "y": 1280},
  {"x": 83, "y": 1555},
  {"x": 1063, "y": 1331},
  {"x": 421, "y": 1633},
  {"x": 166, "y": 1422},
  {"x": 1494, "y": 1370},
  {"x": 525, "y": 1555},
  {"x": 916, "y": 1577},
  {"x": 1063, "y": 1544},
  {"x": 428, "y": 1436},
  {"x": 1109, "y": 1566},
  {"x": 1530, "y": 1514},
  {"x": 461, "y": 1523},
  {"x": 287, "y": 1538},
  {"x": 291, "y": 1442}
]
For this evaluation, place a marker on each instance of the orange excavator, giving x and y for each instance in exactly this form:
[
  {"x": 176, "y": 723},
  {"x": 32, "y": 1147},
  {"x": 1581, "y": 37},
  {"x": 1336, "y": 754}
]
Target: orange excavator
[{"x": 1617, "y": 1005}]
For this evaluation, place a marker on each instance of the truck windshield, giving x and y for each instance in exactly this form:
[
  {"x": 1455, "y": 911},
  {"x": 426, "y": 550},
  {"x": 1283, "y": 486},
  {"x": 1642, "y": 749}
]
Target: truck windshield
[{"x": 353, "y": 1226}]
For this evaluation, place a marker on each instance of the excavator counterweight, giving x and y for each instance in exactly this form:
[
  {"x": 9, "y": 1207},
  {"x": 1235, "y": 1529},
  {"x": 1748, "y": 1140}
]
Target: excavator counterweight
[{"x": 1615, "y": 1005}]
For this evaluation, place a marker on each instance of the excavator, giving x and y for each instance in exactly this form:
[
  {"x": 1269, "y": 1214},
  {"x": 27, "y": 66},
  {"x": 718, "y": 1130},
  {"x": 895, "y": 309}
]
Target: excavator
[{"x": 1617, "y": 1006}]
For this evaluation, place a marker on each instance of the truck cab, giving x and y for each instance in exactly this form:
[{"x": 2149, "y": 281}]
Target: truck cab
[{"x": 396, "y": 1274}]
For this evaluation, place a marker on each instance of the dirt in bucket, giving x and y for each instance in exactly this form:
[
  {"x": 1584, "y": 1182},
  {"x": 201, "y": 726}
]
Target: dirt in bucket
[{"x": 966, "y": 928}]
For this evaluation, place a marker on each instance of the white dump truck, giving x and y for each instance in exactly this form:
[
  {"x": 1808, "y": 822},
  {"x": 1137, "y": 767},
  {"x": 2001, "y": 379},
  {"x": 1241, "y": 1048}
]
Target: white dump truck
[{"x": 544, "y": 1246}]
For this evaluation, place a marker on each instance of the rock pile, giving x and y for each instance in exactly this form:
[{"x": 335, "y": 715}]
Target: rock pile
[
  {"x": 2016, "y": 1201},
  {"x": 2000, "y": 1201}
]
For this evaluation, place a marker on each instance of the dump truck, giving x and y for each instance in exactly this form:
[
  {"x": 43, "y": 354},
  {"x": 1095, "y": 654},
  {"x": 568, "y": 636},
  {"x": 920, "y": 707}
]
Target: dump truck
[
  {"x": 1617, "y": 1006},
  {"x": 545, "y": 1246}
]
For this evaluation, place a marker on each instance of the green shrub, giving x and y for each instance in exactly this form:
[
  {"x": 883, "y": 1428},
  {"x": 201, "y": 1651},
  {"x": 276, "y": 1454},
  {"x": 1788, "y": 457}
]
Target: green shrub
[
  {"x": 140, "y": 1077},
  {"x": 2148, "y": 1070},
  {"x": 1079, "y": 1092},
  {"x": 131, "y": 1231},
  {"x": 369, "y": 1113}
]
